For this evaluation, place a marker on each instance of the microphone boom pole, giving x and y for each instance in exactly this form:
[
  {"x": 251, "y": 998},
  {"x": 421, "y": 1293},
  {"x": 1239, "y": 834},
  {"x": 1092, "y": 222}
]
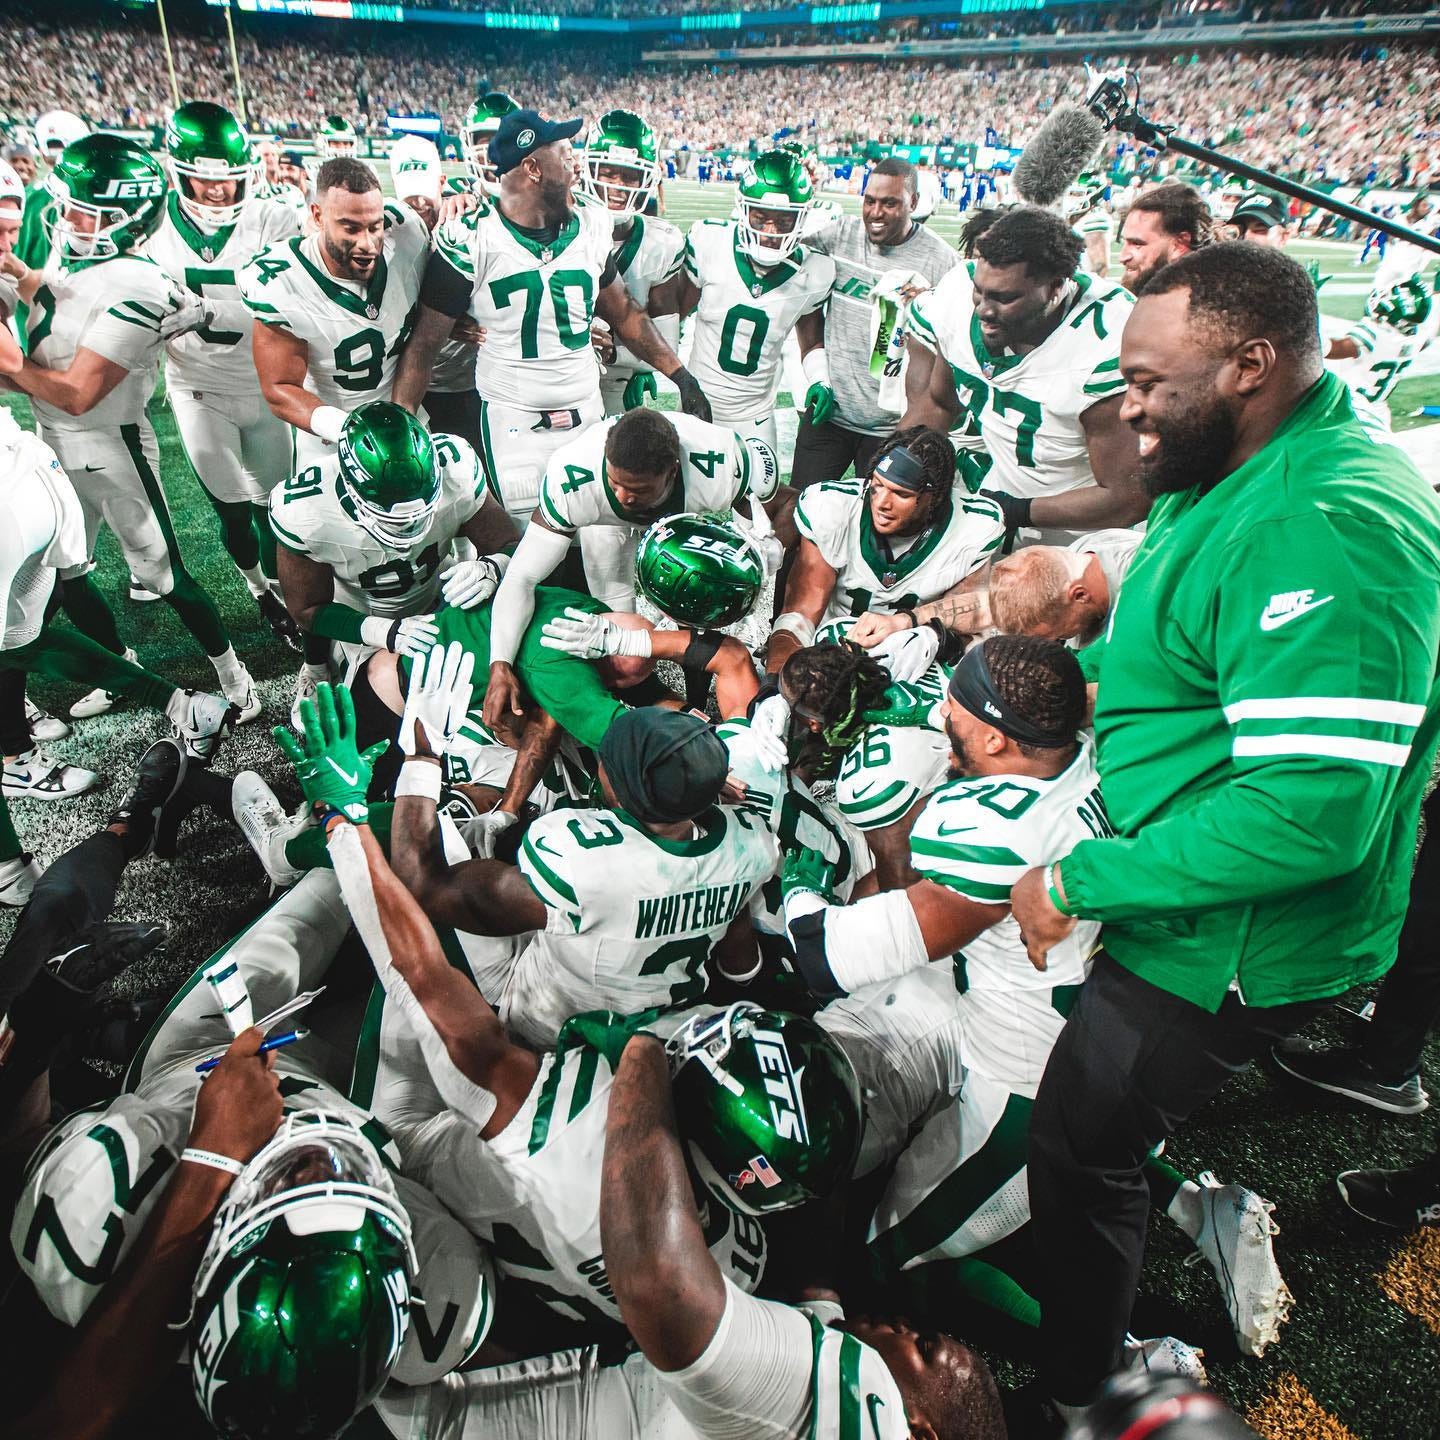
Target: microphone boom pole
[{"x": 1115, "y": 107}]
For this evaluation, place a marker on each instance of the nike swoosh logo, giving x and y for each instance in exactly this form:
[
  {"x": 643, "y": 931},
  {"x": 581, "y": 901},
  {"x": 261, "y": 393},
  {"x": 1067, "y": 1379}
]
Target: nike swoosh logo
[
  {"x": 347, "y": 778},
  {"x": 864, "y": 789},
  {"x": 92, "y": 469},
  {"x": 944, "y": 830},
  {"x": 1274, "y": 622},
  {"x": 874, "y": 1404}
]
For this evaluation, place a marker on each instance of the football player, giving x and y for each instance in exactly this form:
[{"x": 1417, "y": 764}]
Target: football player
[
  {"x": 368, "y": 535},
  {"x": 1163, "y": 223},
  {"x": 749, "y": 282},
  {"x": 479, "y": 130},
  {"x": 316, "y": 1211},
  {"x": 95, "y": 331},
  {"x": 519, "y": 1154},
  {"x": 607, "y": 486},
  {"x": 1027, "y": 789},
  {"x": 1065, "y": 595},
  {"x": 1375, "y": 352},
  {"x": 1035, "y": 348},
  {"x": 532, "y": 270},
  {"x": 214, "y": 223},
  {"x": 54, "y": 130},
  {"x": 620, "y": 171},
  {"x": 1089, "y": 217}
]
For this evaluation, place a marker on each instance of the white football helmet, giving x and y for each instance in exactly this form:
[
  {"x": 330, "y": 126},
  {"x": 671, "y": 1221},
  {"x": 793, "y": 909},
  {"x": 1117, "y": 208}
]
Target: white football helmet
[
  {"x": 415, "y": 168},
  {"x": 56, "y": 129},
  {"x": 12, "y": 187}
]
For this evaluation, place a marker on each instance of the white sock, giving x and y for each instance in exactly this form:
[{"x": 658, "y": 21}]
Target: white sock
[
  {"x": 1185, "y": 1209},
  {"x": 255, "y": 580},
  {"x": 177, "y": 707},
  {"x": 228, "y": 669}
]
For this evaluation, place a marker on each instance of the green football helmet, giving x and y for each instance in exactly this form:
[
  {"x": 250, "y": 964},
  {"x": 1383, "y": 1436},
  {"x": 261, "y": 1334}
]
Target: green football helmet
[
  {"x": 1084, "y": 194},
  {"x": 775, "y": 185},
  {"x": 389, "y": 482},
  {"x": 1404, "y": 307},
  {"x": 302, "y": 1300},
  {"x": 336, "y": 139},
  {"x": 480, "y": 126},
  {"x": 113, "y": 182},
  {"x": 205, "y": 143},
  {"x": 768, "y": 1106},
  {"x": 699, "y": 569},
  {"x": 622, "y": 143}
]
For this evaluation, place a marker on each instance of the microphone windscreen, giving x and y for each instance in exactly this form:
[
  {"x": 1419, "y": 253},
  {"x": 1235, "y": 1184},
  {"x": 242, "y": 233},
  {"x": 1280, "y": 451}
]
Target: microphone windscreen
[{"x": 1059, "y": 152}]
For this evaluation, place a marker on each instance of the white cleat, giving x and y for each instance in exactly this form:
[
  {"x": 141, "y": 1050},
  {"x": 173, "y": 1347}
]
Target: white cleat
[
  {"x": 17, "y": 879},
  {"x": 38, "y": 776},
  {"x": 244, "y": 697},
  {"x": 208, "y": 720},
  {"x": 97, "y": 702},
  {"x": 264, "y": 823},
  {"x": 306, "y": 686},
  {"x": 1164, "y": 1355},
  {"x": 43, "y": 725},
  {"x": 1237, "y": 1240}
]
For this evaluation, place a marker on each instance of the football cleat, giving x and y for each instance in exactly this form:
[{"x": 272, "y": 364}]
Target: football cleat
[
  {"x": 38, "y": 776},
  {"x": 245, "y": 698},
  {"x": 98, "y": 701},
  {"x": 1404, "y": 1199},
  {"x": 140, "y": 592},
  {"x": 1164, "y": 1355},
  {"x": 17, "y": 879},
  {"x": 208, "y": 720},
  {"x": 264, "y": 823},
  {"x": 43, "y": 725},
  {"x": 277, "y": 617},
  {"x": 158, "y": 777},
  {"x": 306, "y": 685},
  {"x": 1343, "y": 1070},
  {"x": 1236, "y": 1239}
]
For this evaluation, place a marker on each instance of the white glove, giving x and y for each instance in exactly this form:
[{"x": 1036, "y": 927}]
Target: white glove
[
  {"x": 758, "y": 528},
  {"x": 468, "y": 583},
  {"x": 770, "y": 729},
  {"x": 326, "y": 423},
  {"x": 588, "y": 637},
  {"x": 412, "y": 637},
  {"x": 482, "y": 832},
  {"x": 908, "y": 654},
  {"x": 192, "y": 312},
  {"x": 439, "y": 698}
]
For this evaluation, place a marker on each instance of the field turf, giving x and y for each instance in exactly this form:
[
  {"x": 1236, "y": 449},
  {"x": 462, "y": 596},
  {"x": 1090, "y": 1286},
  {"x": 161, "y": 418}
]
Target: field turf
[{"x": 1361, "y": 1355}]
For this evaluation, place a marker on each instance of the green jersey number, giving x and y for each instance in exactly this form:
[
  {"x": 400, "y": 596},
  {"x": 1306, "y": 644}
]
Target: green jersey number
[
  {"x": 1008, "y": 402},
  {"x": 399, "y": 577},
  {"x": 302, "y": 485},
  {"x": 706, "y": 461},
  {"x": 861, "y": 600},
  {"x": 692, "y": 954},
  {"x": 871, "y": 753},
  {"x": 40, "y": 319},
  {"x": 1386, "y": 373},
  {"x": 359, "y": 361},
  {"x": 268, "y": 269},
  {"x": 197, "y": 280},
  {"x": 572, "y": 322},
  {"x": 749, "y": 362}
]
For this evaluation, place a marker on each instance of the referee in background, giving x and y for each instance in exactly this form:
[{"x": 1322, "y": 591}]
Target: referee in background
[{"x": 1267, "y": 716}]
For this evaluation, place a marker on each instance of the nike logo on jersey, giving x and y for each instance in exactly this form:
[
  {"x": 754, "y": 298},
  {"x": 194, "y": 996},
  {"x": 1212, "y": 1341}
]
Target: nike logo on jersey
[
  {"x": 874, "y": 1404},
  {"x": 344, "y": 775},
  {"x": 945, "y": 831},
  {"x": 1289, "y": 605},
  {"x": 91, "y": 469}
]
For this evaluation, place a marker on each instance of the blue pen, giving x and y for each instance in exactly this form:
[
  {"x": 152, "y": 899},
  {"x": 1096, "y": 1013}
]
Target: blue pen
[{"x": 273, "y": 1043}]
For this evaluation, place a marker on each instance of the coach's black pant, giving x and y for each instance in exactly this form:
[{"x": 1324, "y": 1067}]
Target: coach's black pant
[
  {"x": 826, "y": 452},
  {"x": 1131, "y": 1065},
  {"x": 455, "y": 412}
]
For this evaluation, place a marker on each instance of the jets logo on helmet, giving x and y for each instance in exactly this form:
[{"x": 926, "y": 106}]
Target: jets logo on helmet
[
  {"x": 699, "y": 569},
  {"x": 208, "y": 149},
  {"x": 775, "y": 196},
  {"x": 1404, "y": 307},
  {"x": 114, "y": 184},
  {"x": 619, "y": 164},
  {"x": 762, "y": 1096},
  {"x": 302, "y": 1300},
  {"x": 389, "y": 483},
  {"x": 480, "y": 126},
  {"x": 336, "y": 139}
]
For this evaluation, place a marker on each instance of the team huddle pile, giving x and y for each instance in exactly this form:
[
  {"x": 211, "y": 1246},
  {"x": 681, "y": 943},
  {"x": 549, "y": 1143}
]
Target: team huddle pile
[{"x": 604, "y": 1018}]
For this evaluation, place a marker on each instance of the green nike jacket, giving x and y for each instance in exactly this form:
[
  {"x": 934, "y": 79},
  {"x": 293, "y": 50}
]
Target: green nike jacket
[{"x": 1267, "y": 717}]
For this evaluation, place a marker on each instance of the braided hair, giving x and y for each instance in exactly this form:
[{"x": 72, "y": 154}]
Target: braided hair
[
  {"x": 1039, "y": 679},
  {"x": 837, "y": 684}
]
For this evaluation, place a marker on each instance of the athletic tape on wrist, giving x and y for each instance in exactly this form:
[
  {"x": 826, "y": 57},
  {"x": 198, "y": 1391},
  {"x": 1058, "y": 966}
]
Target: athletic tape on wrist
[
  {"x": 795, "y": 624},
  {"x": 419, "y": 777}
]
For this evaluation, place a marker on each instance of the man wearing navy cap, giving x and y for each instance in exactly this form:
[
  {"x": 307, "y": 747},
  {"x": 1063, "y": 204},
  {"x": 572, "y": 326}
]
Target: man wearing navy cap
[
  {"x": 1262, "y": 220},
  {"x": 532, "y": 269}
]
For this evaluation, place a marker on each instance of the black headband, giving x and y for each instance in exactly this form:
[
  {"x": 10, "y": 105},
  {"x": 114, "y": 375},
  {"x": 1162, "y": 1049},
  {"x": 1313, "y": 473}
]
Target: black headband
[
  {"x": 973, "y": 688},
  {"x": 901, "y": 467}
]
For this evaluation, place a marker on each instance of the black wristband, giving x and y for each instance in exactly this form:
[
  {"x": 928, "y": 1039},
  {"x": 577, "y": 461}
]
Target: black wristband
[
  {"x": 914, "y": 618},
  {"x": 704, "y": 646}
]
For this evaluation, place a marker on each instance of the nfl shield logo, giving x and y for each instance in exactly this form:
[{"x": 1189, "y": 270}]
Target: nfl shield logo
[
  {"x": 208, "y": 253},
  {"x": 755, "y": 290},
  {"x": 372, "y": 312},
  {"x": 888, "y": 579},
  {"x": 989, "y": 369}
]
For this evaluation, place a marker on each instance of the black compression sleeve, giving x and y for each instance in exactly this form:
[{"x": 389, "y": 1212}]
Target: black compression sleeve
[
  {"x": 444, "y": 288},
  {"x": 807, "y": 935},
  {"x": 609, "y": 273}
]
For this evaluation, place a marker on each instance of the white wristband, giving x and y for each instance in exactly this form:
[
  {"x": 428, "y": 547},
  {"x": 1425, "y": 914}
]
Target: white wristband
[
  {"x": 797, "y": 625},
  {"x": 634, "y": 644},
  {"x": 375, "y": 630},
  {"x": 815, "y": 366},
  {"x": 209, "y": 1157},
  {"x": 327, "y": 421},
  {"x": 419, "y": 777}
]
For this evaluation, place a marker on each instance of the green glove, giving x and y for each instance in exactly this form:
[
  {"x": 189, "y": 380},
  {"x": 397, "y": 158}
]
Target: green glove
[
  {"x": 605, "y": 1031},
  {"x": 819, "y": 403},
  {"x": 1312, "y": 269},
  {"x": 639, "y": 388},
  {"x": 331, "y": 771},
  {"x": 904, "y": 705},
  {"x": 807, "y": 870}
]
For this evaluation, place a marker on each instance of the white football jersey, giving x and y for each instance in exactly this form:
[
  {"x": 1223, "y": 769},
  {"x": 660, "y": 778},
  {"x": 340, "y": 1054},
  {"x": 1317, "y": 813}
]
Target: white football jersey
[
  {"x": 218, "y": 356},
  {"x": 535, "y": 303},
  {"x": 652, "y": 253},
  {"x": 978, "y": 836},
  {"x": 533, "y": 1190},
  {"x": 1029, "y": 406},
  {"x": 309, "y": 516},
  {"x": 90, "y": 1186},
  {"x": 872, "y": 572},
  {"x": 1098, "y": 221},
  {"x": 1385, "y": 356},
  {"x": 113, "y": 307},
  {"x": 354, "y": 332},
  {"x": 744, "y": 314},
  {"x": 641, "y": 944},
  {"x": 714, "y": 477}
]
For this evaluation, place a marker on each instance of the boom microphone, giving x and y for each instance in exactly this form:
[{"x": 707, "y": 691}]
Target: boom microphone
[{"x": 1060, "y": 151}]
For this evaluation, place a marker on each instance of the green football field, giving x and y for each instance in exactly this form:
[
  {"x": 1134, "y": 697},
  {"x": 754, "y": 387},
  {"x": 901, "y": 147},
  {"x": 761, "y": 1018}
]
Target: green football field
[{"x": 1361, "y": 1354}]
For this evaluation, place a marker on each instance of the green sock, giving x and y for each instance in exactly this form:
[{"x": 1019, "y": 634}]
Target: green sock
[
  {"x": 264, "y": 538},
  {"x": 198, "y": 614},
  {"x": 996, "y": 1290},
  {"x": 66, "y": 655},
  {"x": 89, "y": 613},
  {"x": 9, "y": 840},
  {"x": 1164, "y": 1181},
  {"x": 237, "y": 533},
  {"x": 308, "y": 851}
]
